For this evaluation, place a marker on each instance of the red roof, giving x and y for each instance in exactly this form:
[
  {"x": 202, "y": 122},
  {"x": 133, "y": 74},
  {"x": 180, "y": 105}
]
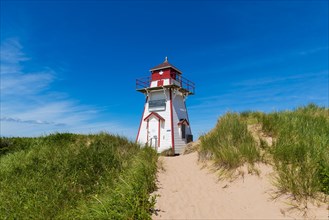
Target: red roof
[
  {"x": 165, "y": 65},
  {"x": 155, "y": 115},
  {"x": 183, "y": 121}
]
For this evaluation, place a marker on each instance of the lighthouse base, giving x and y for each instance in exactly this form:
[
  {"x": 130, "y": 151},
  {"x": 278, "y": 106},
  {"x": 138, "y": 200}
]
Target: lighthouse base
[{"x": 169, "y": 151}]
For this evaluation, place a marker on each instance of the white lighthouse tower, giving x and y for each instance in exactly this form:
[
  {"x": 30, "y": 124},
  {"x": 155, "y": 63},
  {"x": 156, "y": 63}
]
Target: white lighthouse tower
[{"x": 165, "y": 123}]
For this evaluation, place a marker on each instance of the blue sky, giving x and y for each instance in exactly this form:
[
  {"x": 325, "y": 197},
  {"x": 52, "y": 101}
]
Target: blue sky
[{"x": 70, "y": 66}]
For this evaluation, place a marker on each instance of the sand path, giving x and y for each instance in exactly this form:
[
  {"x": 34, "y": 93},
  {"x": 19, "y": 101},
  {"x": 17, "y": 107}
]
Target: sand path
[{"x": 189, "y": 192}]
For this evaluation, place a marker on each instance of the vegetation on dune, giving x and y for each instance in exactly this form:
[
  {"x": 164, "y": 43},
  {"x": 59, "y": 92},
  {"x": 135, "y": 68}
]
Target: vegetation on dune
[
  {"x": 75, "y": 176},
  {"x": 129, "y": 199},
  {"x": 71, "y": 176},
  {"x": 299, "y": 153},
  {"x": 229, "y": 144}
]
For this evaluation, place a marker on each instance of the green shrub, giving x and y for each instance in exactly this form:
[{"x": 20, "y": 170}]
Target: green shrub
[
  {"x": 10, "y": 145},
  {"x": 5, "y": 144}
]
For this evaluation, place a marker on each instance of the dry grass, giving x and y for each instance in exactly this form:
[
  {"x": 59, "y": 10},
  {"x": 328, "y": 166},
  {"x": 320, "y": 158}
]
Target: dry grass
[{"x": 192, "y": 147}]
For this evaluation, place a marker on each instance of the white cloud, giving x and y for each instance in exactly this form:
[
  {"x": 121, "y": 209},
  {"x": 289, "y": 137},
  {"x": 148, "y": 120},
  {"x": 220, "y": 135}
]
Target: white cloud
[
  {"x": 11, "y": 52},
  {"x": 30, "y": 107},
  {"x": 38, "y": 122},
  {"x": 30, "y": 83}
]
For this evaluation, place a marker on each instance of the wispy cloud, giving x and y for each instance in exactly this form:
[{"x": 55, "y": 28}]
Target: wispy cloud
[
  {"x": 30, "y": 83},
  {"x": 11, "y": 53},
  {"x": 37, "y": 122},
  {"x": 30, "y": 106}
]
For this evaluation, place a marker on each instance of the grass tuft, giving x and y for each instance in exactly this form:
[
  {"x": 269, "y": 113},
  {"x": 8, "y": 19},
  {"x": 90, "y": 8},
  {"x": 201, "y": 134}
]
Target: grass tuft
[{"x": 229, "y": 144}]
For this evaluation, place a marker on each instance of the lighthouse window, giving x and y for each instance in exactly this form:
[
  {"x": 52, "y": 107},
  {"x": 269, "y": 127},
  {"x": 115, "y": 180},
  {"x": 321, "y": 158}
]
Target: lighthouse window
[
  {"x": 157, "y": 105},
  {"x": 173, "y": 75}
]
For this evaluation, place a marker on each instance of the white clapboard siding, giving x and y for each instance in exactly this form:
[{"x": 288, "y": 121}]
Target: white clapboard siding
[
  {"x": 165, "y": 126},
  {"x": 179, "y": 113}
]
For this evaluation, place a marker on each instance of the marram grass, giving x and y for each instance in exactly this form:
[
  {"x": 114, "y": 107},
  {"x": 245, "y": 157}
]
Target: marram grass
[
  {"x": 229, "y": 144},
  {"x": 299, "y": 154},
  {"x": 68, "y": 176}
]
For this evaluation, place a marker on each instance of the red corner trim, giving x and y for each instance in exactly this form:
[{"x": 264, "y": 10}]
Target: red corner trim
[
  {"x": 155, "y": 115},
  {"x": 147, "y": 132}
]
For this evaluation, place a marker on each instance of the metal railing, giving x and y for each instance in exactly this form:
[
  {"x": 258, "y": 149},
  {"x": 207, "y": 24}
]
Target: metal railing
[
  {"x": 183, "y": 83},
  {"x": 186, "y": 84},
  {"x": 143, "y": 83}
]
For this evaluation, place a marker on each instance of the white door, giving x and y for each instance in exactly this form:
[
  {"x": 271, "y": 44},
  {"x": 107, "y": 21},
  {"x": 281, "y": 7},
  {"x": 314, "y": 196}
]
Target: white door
[{"x": 153, "y": 132}]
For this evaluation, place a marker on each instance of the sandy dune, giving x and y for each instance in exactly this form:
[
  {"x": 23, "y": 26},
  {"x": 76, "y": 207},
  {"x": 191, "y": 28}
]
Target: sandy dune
[{"x": 189, "y": 192}]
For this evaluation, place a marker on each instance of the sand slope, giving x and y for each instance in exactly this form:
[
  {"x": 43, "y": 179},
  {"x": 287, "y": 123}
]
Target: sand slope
[{"x": 189, "y": 192}]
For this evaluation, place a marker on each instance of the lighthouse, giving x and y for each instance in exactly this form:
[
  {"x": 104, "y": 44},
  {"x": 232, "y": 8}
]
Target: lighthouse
[{"x": 165, "y": 123}]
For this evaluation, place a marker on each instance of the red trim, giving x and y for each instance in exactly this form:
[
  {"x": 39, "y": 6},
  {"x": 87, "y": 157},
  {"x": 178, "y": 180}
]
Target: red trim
[
  {"x": 140, "y": 124},
  {"x": 184, "y": 121},
  {"x": 160, "y": 82},
  {"x": 172, "y": 122},
  {"x": 147, "y": 132},
  {"x": 159, "y": 122},
  {"x": 155, "y": 115}
]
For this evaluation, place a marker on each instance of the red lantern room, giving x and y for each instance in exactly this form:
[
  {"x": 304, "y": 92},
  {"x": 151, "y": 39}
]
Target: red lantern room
[{"x": 165, "y": 75}]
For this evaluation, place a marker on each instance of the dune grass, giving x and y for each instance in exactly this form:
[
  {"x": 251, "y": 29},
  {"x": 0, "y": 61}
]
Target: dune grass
[
  {"x": 299, "y": 154},
  {"x": 129, "y": 196},
  {"x": 229, "y": 144},
  {"x": 64, "y": 176}
]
